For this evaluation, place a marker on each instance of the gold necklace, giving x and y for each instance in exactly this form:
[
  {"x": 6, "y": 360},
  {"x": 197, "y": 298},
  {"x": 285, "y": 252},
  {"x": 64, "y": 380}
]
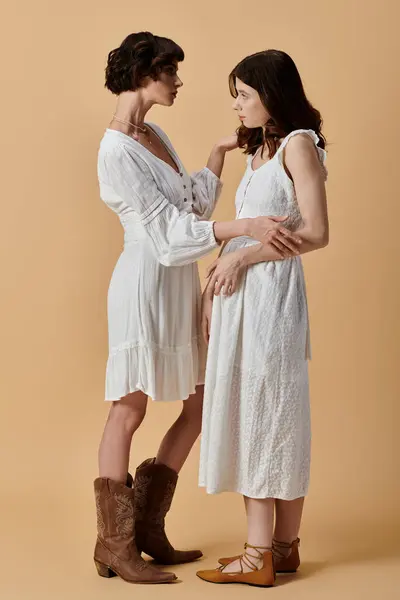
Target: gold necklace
[{"x": 142, "y": 129}]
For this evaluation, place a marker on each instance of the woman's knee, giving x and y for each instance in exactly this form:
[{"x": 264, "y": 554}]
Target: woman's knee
[
  {"x": 128, "y": 412},
  {"x": 192, "y": 410}
]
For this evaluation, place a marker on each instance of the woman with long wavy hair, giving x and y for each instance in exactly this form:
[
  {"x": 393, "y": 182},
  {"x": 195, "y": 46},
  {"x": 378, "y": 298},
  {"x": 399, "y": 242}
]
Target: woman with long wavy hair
[{"x": 256, "y": 416}]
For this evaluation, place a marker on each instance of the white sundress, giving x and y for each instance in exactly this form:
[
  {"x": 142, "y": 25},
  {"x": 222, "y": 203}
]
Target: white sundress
[
  {"x": 154, "y": 298},
  {"x": 256, "y": 416}
]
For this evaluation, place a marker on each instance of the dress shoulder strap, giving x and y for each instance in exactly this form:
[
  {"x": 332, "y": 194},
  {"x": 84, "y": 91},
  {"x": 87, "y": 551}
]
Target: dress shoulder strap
[{"x": 311, "y": 133}]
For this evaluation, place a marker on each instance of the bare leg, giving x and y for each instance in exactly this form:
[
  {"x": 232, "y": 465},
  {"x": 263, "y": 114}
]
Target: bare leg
[
  {"x": 260, "y": 525},
  {"x": 288, "y": 518},
  {"x": 179, "y": 439},
  {"x": 125, "y": 417}
]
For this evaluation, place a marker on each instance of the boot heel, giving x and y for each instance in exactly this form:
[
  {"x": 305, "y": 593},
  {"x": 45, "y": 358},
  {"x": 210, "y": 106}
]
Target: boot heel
[{"x": 103, "y": 570}]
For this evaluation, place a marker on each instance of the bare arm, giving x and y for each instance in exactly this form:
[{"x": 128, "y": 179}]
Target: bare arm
[
  {"x": 260, "y": 253},
  {"x": 304, "y": 166},
  {"x": 216, "y": 160},
  {"x": 217, "y": 156},
  {"x": 227, "y": 230}
]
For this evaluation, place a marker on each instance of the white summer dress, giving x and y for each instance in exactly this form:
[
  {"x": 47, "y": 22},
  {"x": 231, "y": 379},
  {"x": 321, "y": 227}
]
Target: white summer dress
[
  {"x": 256, "y": 416},
  {"x": 154, "y": 298}
]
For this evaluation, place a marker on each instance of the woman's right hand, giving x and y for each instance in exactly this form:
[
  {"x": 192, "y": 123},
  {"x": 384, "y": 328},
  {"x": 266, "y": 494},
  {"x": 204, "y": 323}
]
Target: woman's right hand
[{"x": 268, "y": 230}]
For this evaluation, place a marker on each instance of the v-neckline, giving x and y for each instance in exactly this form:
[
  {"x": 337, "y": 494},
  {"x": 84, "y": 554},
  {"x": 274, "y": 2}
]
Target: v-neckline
[
  {"x": 174, "y": 157},
  {"x": 263, "y": 164},
  {"x": 268, "y": 161},
  {"x": 169, "y": 152}
]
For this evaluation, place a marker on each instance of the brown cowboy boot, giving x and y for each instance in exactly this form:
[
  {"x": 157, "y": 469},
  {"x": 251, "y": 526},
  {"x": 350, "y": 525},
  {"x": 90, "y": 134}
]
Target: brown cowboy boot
[
  {"x": 260, "y": 576},
  {"x": 154, "y": 489},
  {"x": 115, "y": 552},
  {"x": 286, "y": 556}
]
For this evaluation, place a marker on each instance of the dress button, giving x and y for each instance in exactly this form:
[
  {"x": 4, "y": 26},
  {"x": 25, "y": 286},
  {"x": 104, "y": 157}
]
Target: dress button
[
  {"x": 184, "y": 187},
  {"x": 185, "y": 199},
  {"x": 181, "y": 174}
]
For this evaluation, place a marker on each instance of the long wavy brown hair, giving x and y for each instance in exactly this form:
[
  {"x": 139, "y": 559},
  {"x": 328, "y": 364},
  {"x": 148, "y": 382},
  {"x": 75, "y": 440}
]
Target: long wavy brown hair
[{"x": 274, "y": 75}]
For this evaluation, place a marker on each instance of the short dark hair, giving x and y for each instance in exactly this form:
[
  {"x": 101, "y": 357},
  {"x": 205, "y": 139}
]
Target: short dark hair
[
  {"x": 140, "y": 55},
  {"x": 274, "y": 75}
]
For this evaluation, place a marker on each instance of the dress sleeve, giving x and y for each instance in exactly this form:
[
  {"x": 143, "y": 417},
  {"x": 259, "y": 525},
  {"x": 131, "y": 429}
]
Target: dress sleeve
[
  {"x": 206, "y": 191},
  {"x": 178, "y": 239}
]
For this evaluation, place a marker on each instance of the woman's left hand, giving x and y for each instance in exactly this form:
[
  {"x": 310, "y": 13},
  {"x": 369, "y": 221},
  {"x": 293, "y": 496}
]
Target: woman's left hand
[
  {"x": 228, "y": 143},
  {"x": 225, "y": 273}
]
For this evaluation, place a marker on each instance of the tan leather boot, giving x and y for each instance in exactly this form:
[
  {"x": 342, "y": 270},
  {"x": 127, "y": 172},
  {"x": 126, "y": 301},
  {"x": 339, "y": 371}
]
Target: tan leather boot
[
  {"x": 115, "y": 552},
  {"x": 259, "y": 577},
  {"x": 154, "y": 490},
  {"x": 284, "y": 563}
]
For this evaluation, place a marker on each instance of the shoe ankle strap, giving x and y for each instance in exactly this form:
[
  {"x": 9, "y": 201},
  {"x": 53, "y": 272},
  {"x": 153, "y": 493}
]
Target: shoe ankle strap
[
  {"x": 278, "y": 548},
  {"x": 246, "y": 557},
  {"x": 284, "y": 544}
]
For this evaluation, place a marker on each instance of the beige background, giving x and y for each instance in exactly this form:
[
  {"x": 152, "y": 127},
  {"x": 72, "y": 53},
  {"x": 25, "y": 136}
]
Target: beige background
[{"x": 59, "y": 244}]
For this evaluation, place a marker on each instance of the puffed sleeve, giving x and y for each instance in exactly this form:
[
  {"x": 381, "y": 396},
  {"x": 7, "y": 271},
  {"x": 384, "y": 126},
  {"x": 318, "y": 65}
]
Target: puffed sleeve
[
  {"x": 178, "y": 239},
  {"x": 206, "y": 191}
]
